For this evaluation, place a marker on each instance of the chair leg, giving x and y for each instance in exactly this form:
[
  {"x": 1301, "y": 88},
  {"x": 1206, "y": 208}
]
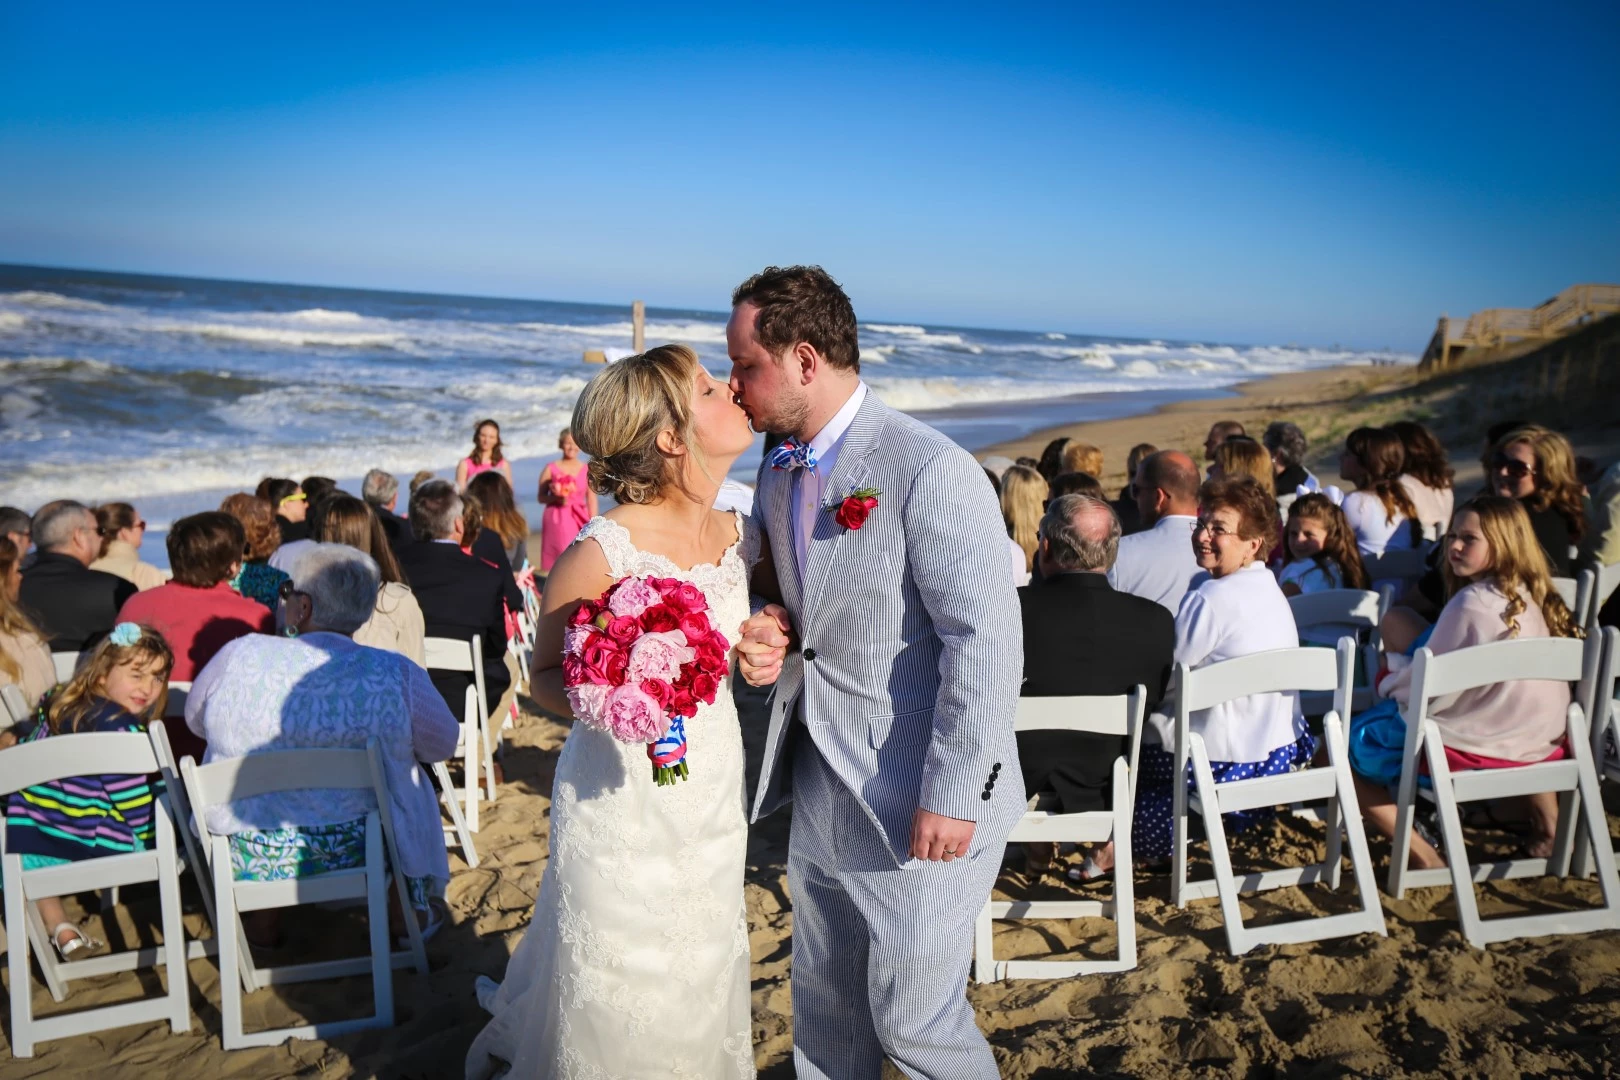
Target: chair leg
[
  {"x": 489, "y": 758},
  {"x": 1124, "y": 878},
  {"x": 1597, "y": 826},
  {"x": 174, "y": 930},
  {"x": 45, "y": 953},
  {"x": 1215, "y": 833},
  {"x": 1335, "y": 843},
  {"x": 382, "y": 964},
  {"x": 22, "y": 984},
  {"x": 1564, "y": 837},
  {"x": 1462, "y": 878},
  {"x": 228, "y": 933},
  {"x": 1349, "y": 807},
  {"x": 447, "y": 792},
  {"x": 1178, "y": 840},
  {"x": 984, "y": 959},
  {"x": 469, "y": 773}
]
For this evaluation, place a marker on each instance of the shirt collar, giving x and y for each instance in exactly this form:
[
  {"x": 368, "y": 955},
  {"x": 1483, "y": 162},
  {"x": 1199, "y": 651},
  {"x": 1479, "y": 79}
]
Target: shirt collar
[{"x": 834, "y": 429}]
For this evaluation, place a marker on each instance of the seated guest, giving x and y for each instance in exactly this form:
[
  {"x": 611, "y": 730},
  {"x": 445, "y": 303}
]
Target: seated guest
[
  {"x": 460, "y": 595},
  {"x": 121, "y": 531},
  {"x": 1219, "y": 432},
  {"x": 422, "y": 476},
  {"x": 18, "y": 527},
  {"x": 502, "y": 519},
  {"x": 1234, "y": 609},
  {"x": 1242, "y": 456},
  {"x": 257, "y": 579},
  {"x": 1082, "y": 457},
  {"x": 1158, "y": 563},
  {"x": 122, "y": 687},
  {"x": 1427, "y": 477},
  {"x": 25, "y": 659},
  {"x": 485, "y": 545},
  {"x": 1130, "y": 518},
  {"x": 1082, "y": 638},
  {"x": 1500, "y": 589},
  {"x": 1380, "y": 511},
  {"x": 1602, "y": 546},
  {"x": 1023, "y": 500},
  {"x": 1073, "y": 483},
  {"x": 72, "y": 604},
  {"x": 1537, "y": 467},
  {"x": 1286, "y": 444},
  {"x": 322, "y": 689},
  {"x": 380, "y": 490},
  {"x": 316, "y": 488},
  {"x": 1051, "y": 460},
  {"x": 396, "y": 623},
  {"x": 290, "y": 505}
]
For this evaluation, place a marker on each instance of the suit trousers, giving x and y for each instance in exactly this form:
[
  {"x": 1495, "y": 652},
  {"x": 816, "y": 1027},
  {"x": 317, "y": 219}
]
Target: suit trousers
[{"x": 880, "y": 953}]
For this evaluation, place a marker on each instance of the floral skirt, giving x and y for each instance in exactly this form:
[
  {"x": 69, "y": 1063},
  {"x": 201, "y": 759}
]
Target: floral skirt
[
  {"x": 1153, "y": 821},
  {"x": 295, "y": 851}
]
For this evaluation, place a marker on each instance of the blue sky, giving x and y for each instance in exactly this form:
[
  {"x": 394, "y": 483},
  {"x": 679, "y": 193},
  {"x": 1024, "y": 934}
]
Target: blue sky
[{"x": 1288, "y": 173}]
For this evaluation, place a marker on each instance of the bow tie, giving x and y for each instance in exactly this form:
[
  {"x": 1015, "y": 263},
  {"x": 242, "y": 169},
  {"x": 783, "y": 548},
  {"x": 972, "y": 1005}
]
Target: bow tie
[{"x": 791, "y": 455}]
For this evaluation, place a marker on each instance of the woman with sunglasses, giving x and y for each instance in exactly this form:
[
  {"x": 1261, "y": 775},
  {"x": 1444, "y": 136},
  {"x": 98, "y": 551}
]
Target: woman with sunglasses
[
  {"x": 122, "y": 530},
  {"x": 1536, "y": 467}
]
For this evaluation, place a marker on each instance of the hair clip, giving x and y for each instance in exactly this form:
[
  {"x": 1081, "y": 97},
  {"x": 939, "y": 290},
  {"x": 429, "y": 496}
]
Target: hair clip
[{"x": 125, "y": 634}]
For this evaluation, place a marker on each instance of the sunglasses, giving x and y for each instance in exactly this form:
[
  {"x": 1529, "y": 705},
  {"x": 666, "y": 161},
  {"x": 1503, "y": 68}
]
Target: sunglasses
[
  {"x": 1512, "y": 466},
  {"x": 286, "y": 591},
  {"x": 297, "y": 496}
]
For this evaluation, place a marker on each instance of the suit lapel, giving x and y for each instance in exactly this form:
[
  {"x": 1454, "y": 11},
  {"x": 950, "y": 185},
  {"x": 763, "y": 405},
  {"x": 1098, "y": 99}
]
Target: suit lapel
[
  {"x": 776, "y": 488},
  {"x": 849, "y": 473}
]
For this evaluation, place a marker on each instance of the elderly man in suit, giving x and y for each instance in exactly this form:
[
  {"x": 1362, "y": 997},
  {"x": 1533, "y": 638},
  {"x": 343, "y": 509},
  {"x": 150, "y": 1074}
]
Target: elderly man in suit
[
  {"x": 1084, "y": 638},
  {"x": 74, "y": 605},
  {"x": 460, "y": 595},
  {"x": 892, "y": 724}
]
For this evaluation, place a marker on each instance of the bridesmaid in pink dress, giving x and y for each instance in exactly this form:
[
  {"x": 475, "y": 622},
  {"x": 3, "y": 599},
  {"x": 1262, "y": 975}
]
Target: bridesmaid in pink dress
[
  {"x": 568, "y": 500},
  {"x": 485, "y": 457}
]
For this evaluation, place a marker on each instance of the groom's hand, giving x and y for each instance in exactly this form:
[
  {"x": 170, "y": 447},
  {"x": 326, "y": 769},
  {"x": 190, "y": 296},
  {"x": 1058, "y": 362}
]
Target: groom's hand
[
  {"x": 938, "y": 838},
  {"x": 764, "y": 645}
]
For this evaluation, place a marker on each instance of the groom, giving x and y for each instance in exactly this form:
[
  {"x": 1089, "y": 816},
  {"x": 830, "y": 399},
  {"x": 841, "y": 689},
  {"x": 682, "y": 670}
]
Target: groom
[{"x": 892, "y": 723}]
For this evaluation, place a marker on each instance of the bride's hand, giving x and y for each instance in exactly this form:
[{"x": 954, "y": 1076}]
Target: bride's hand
[{"x": 764, "y": 645}]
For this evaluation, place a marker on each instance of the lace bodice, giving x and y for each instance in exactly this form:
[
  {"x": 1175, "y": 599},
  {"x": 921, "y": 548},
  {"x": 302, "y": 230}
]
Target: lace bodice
[{"x": 625, "y": 559}]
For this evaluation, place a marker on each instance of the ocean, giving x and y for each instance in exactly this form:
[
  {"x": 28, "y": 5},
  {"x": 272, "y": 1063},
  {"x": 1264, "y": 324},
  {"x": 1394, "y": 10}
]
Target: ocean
[{"x": 169, "y": 392}]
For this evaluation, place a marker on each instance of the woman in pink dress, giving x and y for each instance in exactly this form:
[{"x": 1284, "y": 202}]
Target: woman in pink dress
[
  {"x": 568, "y": 500},
  {"x": 486, "y": 455}
]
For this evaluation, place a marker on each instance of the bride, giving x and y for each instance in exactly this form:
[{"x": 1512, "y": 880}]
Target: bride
[{"x": 635, "y": 962}]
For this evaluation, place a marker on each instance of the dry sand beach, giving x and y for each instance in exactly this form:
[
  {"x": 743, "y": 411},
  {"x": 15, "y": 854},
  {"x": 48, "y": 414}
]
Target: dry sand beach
[{"x": 1420, "y": 1002}]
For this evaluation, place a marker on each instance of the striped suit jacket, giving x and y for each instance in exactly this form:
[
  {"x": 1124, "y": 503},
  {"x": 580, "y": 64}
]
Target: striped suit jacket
[{"x": 910, "y": 643}]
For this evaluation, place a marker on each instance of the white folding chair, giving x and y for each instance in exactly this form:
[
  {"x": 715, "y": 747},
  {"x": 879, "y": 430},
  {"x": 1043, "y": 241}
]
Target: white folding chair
[
  {"x": 1606, "y": 579},
  {"x": 1407, "y": 564},
  {"x": 90, "y": 754},
  {"x": 452, "y": 654},
  {"x": 1103, "y": 716},
  {"x": 1573, "y": 777},
  {"x": 1576, "y": 592},
  {"x": 456, "y": 832},
  {"x": 1276, "y": 671},
  {"x": 1598, "y": 700},
  {"x": 66, "y": 664},
  {"x": 13, "y": 706},
  {"x": 290, "y": 770},
  {"x": 1362, "y": 609}
]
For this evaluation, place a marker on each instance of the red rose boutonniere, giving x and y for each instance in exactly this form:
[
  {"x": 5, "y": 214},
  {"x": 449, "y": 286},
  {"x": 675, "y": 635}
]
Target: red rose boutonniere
[{"x": 851, "y": 513}]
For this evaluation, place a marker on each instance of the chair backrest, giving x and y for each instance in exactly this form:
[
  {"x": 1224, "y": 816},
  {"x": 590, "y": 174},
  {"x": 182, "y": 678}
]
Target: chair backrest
[
  {"x": 276, "y": 770},
  {"x": 1356, "y": 607},
  {"x": 1117, "y": 715},
  {"x": 1271, "y": 672},
  {"x": 1566, "y": 587},
  {"x": 452, "y": 654},
  {"x": 1576, "y": 592},
  {"x": 1560, "y": 659},
  {"x": 1400, "y": 563},
  {"x": 178, "y": 693},
  {"x": 95, "y": 753},
  {"x": 1608, "y": 579},
  {"x": 13, "y": 705},
  {"x": 1598, "y": 698},
  {"x": 66, "y": 664}
]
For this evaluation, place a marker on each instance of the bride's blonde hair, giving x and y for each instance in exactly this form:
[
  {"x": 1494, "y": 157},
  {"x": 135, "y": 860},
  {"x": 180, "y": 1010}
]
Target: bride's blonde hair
[{"x": 619, "y": 415}]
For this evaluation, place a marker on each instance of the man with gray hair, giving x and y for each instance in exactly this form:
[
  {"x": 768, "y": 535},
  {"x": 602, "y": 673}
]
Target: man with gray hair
[
  {"x": 74, "y": 605},
  {"x": 1084, "y": 638},
  {"x": 460, "y": 595},
  {"x": 1286, "y": 444},
  {"x": 380, "y": 490}
]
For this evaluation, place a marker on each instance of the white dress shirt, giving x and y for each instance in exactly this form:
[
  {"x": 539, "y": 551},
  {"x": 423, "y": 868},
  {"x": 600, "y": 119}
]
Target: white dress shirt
[
  {"x": 734, "y": 496},
  {"x": 810, "y": 485},
  {"x": 1157, "y": 564}
]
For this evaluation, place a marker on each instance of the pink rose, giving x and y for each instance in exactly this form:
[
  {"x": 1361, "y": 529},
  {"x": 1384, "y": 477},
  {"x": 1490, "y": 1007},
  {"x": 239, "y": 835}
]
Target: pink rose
[
  {"x": 582, "y": 614},
  {"x": 632, "y": 597},
  {"x": 695, "y": 625},
  {"x": 624, "y": 629},
  {"x": 574, "y": 638},
  {"x": 658, "y": 690},
  {"x": 597, "y": 654},
  {"x": 589, "y": 702},
  {"x": 618, "y": 667},
  {"x": 659, "y": 656},
  {"x": 573, "y": 671},
  {"x": 686, "y": 597},
  {"x": 633, "y": 715}
]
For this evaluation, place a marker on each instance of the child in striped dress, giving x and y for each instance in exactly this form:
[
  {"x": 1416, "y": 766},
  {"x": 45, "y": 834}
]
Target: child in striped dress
[{"x": 123, "y": 687}]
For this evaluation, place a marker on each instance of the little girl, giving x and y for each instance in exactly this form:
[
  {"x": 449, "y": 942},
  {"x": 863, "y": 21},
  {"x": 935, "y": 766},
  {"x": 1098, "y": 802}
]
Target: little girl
[
  {"x": 123, "y": 687},
  {"x": 1321, "y": 549}
]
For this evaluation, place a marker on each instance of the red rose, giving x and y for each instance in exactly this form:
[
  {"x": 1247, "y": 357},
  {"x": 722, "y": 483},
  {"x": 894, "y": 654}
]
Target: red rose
[
  {"x": 682, "y": 703},
  {"x": 686, "y": 597},
  {"x": 695, "y": 625},
  {"x": 573, "y": 671},
  {"x": 704, "y": 687},
  {"x": 659, "y": 619},
  {"x": 624, "y": 630},
  {"x": 711, "y": 658},
  {"x": 852, "y": 512},
  {"x": 596, "y": 655},
  {"x": 618, "y": 665},
  {"x": 658, "y": 690},
  {"x": 582, "y": 614}
]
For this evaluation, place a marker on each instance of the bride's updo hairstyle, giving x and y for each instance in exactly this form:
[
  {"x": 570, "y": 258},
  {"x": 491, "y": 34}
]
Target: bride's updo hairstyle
[{"x": 619, "y": 415}]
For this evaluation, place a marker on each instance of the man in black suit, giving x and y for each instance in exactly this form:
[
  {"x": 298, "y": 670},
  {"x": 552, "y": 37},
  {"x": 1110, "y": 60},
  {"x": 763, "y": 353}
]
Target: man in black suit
[
  {"x": 74, "y": 605},
  {"x": 380, "y": 490},
  {"x": 1084, "y": 638},
  {"x": 459, "y": 595}
]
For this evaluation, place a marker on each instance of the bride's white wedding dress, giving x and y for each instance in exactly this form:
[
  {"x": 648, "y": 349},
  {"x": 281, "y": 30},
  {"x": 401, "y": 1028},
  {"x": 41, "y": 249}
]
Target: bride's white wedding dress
[{"x": 635, "y": 962}]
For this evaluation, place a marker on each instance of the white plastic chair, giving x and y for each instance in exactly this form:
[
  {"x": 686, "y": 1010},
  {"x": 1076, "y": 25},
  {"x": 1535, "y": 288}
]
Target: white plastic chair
[
  {"x": 1598, "y": 701},
  {"x": 1561, "y": 659},
  {"x": 1362, "y": 609},
  {"x": 13, "y": 706},
  {"x": 1576, "y": 592},
  {"x": 290, "y": 770},
  {"x": 452, "y": 654},
  {"x": 66, "y": 664},
  {"x": 1120, "y": 715},
  {"x": 1606, "y": 580},
  {"x": 1276, "y": 671},
  {"x": 55, "y": 758}
]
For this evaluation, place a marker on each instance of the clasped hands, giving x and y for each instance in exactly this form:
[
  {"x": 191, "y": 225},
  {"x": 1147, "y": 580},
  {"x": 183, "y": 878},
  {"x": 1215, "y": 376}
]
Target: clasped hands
[{"x": 764, "y": 645}]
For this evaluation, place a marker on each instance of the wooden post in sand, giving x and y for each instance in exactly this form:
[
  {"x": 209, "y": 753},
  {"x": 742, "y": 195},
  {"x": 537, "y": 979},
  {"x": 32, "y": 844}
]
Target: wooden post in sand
[{"x": 638, "y": 326}]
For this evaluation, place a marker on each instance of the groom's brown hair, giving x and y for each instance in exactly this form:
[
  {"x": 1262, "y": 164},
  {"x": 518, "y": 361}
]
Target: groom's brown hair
[{"x": 802, "y": 303}]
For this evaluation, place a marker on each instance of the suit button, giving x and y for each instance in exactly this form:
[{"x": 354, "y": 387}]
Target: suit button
[
  {"x": 809, "y": 654},
  {"x": 995, "y": 770},
  {"x": 986, "y": 795}
]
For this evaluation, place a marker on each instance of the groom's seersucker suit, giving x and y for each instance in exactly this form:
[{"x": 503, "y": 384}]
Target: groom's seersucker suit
[{"x": 901, "y": 695}]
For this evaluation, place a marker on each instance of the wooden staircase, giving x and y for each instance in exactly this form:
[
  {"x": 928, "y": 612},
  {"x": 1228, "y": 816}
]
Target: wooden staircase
[{"x": 1493, "y": 328}]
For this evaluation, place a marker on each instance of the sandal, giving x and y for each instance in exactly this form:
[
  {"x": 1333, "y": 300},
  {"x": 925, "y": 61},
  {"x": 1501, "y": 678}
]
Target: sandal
[
  {"x": 1089, "y": 873},
  {"x": 77, "y": 946}
]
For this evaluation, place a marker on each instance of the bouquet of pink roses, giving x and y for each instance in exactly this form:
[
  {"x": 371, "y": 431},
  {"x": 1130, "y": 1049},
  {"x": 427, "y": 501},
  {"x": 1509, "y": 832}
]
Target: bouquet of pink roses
[
  {"x": 637, "y": 662},
  {"x": 562, "y": 485}
]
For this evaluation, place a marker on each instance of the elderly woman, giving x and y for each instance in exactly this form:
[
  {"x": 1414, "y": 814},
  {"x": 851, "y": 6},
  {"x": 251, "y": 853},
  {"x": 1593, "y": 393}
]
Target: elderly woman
[
  {"x": 1286, "y": 444},
  {"x": 257, "y": 579},
  {"x": 319, "y": 688},
  {"x": 1235, "y": 608}
]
